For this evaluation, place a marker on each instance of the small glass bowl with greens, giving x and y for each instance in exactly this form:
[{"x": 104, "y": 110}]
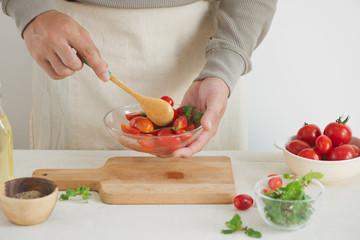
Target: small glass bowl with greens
[{"x": 292, "y": 205}]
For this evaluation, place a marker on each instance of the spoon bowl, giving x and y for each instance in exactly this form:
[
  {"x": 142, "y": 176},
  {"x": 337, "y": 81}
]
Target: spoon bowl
[{"x": 157, "y": 110}]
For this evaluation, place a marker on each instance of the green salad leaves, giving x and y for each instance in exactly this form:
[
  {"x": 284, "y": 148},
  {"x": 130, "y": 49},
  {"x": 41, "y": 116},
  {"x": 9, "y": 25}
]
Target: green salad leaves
[
  {"x": 84, "y": 191},
  {"x": 288, "y": 212}
]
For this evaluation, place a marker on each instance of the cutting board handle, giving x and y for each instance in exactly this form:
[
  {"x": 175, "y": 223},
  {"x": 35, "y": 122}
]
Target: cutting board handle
[{"x": 72, "y": 178}]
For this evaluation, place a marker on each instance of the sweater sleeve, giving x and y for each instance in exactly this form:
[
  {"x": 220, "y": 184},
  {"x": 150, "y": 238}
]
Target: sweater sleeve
[
  {"x": 24, "y": 11},
  {"x": 241, "y": 27}
]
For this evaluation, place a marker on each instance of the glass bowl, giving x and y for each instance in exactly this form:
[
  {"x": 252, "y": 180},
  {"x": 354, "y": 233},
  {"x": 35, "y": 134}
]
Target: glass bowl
[
  {"x": 288, "y": 214},
  {"x": 150, "y": 143}
]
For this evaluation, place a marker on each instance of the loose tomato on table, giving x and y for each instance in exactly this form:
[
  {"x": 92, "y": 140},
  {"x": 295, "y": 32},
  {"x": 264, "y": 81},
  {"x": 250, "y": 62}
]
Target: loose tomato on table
[
  {"x": 323, "y": 144},
  {"x": 243, "y": 201},
  {"x": 308, "y": 133},
  {"x": 296, "y": 146},
  {"x": 143, "y": 124},
  {"x": 338, "y": 132},
  {"x": 343, "y": 152}
]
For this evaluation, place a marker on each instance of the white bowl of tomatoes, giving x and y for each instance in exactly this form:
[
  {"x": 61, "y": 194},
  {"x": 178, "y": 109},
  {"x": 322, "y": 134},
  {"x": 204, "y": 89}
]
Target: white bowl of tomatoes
[
  {"x": 334, "y": 151},
  {"x": 132, "y": 129}
]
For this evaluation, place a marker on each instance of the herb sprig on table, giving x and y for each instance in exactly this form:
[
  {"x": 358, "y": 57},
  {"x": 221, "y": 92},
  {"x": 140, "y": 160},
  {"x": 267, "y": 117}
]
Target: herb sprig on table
[
  {"x": 84, "y": 191},
  {"x": 289, "y": 212},
  {"x": 235, "y": 225}
]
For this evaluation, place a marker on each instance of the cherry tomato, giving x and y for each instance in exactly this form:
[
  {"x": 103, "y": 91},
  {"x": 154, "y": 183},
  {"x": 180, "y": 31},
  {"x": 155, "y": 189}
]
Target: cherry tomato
[
  {"x": 130, "y": 116},
  {"x": 309, "y": 133},
  {"x": 180, "y": 111},
  {"x": 128, "y": 129},
  {"x": 310, "y": 153},
  {"x": 296, "y": 146},
  {"x": 148, "y": 143},
  {"x": 265, "y": 190},
  {"x": 191, "y": 126},
  {"x": 181, "y": 123},
  {"x": 323, "y": 144},
  {"x": 338, "y": 132},
  {"x": 184, "y": 137},
  {"x": 143, "y": 124},
  {"x": 275, "y": 182},
  {"x": 342, "y": 152},
  {"x": 168, "y": 99},
  {"x": 168, "y": 142},
  {"x": 356, "y": 149},
  {"x": 243, "y": 201}
]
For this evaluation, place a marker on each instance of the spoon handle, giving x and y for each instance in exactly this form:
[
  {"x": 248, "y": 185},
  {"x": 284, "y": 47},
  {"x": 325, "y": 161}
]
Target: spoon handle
[{"x": 115, "y": 80}]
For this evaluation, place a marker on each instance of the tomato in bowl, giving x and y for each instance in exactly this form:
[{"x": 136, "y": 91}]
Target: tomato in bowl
[
  {"x": 333, "y": 170},
  {"x": 127, "y": 125}
]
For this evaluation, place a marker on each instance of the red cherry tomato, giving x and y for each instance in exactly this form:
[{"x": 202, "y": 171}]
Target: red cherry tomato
[
  {"x": 308, "y": 133},
  {"x": 181, "y": 123},
  {"x": 184, "y": 137},
  {"x": 191, "y": 126},
  {"x": 142, "y": 124},
  {"x": 128, "y": 129},
  {"x": 180, "y": 111},
  {"x": 343, "y": 152},
  {"x": 275, "y": 182},
  {"x": 130, "y": 116},
  {"x": 356, "y": 149},
  {"x": 168, "y": 142},
  {"x": 323, "y": 144},
  {"x": 148, "y": 143},
  {"x": 168, "y": 99},
  {"x": 243, "y": 201},
  {"x": 338, "y": 132},
  {"x": 310, "y": 153},
  {"x": 296, "y": 146}
]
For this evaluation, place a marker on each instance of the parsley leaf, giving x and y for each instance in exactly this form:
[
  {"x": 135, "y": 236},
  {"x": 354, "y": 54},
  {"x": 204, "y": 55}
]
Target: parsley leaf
[
  {"x": 84, "y": 191},
  {"x": 235, "y": 224}
]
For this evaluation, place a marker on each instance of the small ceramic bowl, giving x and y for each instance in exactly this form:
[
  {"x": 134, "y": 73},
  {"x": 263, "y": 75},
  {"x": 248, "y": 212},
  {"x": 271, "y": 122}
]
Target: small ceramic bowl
[
  {"x": 288, "y": 214},
  {"x": 334, "y": 171},
  {"x": 28, "y": 211},
  {"x": 150, "y": 143}
]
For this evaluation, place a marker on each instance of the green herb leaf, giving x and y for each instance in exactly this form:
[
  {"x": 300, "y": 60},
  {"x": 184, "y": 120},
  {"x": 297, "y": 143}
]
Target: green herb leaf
[
  {"x": 197, "y": 117},
  {"x": 235, "y": 222},
  {"x": 188, "y": 109},
  {"x": 253, "y": 233},
  {"x": 84, "y": 191},
  {"x": 228, "y": 231},
  {"x": 312, "y": 175}
]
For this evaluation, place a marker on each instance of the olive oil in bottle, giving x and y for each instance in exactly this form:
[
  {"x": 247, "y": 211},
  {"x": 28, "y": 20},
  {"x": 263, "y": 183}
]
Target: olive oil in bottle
[{"x": 6, "y": 148}]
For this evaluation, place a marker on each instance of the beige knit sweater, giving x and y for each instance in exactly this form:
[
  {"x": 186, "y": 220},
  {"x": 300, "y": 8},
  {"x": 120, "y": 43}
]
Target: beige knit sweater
[{"x": 241, "y": 27}]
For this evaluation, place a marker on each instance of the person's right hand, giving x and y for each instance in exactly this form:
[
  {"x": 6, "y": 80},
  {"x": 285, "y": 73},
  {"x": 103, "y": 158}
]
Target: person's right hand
[{"x": 51, "y": 39}]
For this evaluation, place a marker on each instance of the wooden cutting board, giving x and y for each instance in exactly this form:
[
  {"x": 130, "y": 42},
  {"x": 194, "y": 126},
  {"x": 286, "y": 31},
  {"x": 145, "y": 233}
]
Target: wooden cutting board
[{"x": 152, "y": 180}]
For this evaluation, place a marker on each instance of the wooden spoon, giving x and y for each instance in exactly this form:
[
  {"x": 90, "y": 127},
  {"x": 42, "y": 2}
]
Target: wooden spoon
[{"x": 157, "y": 110}]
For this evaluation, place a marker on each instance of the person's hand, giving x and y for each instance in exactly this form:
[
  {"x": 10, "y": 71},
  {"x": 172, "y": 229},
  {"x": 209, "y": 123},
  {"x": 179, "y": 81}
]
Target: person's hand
[
  {"x": 210, "y": 96},
  {"x": 56, "y": 41}
]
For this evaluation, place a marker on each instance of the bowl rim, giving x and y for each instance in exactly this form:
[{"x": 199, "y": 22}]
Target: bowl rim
[
  {"x": 135, "y": 135},
  {"x": 56, "y": 190},
  {"x": 288, "y": 201},
  {"x": 281, "y": 144}
]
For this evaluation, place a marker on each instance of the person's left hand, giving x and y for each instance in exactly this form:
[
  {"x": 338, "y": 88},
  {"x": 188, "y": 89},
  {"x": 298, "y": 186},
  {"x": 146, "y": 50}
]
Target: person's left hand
[{"x": 209, "y": 96}]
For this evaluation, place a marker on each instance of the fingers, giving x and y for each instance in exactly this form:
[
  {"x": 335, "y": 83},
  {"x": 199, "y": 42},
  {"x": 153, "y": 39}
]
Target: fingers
[
  {"x": 88, "y": 51},
  {"x": 51, "y": 38},
  {"x": 195, "y": 147}
]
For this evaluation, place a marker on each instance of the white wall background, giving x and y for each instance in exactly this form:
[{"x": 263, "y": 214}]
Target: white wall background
[{"x": 307, "y": 69}]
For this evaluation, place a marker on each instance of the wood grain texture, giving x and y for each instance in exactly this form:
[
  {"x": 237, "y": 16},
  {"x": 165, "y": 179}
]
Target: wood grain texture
[{"x": 152, "y": 180}]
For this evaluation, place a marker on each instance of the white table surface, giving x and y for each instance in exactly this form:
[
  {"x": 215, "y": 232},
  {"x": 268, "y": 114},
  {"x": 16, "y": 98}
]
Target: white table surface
[{"x": 338, "y": 217}]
